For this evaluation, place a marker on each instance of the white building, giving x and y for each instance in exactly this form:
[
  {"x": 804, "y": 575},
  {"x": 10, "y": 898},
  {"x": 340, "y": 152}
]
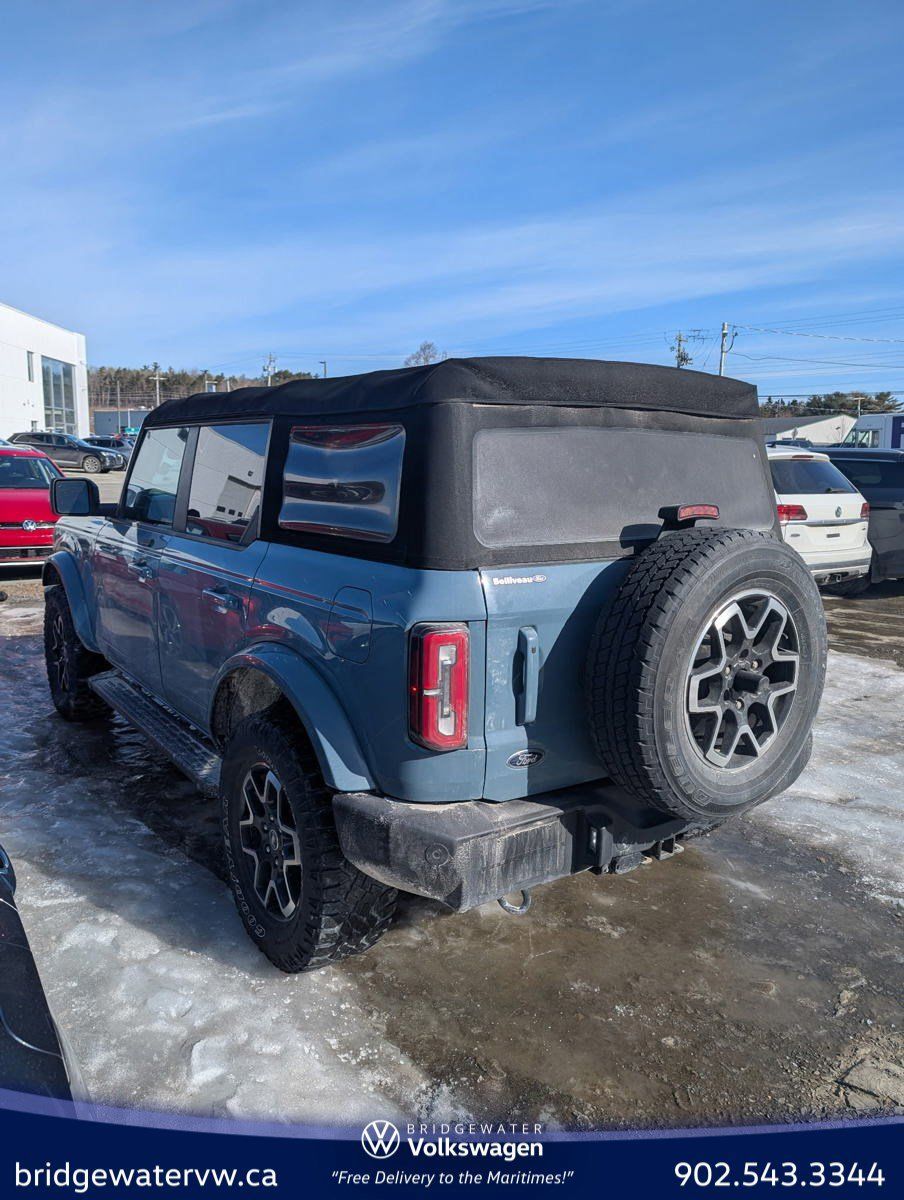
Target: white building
[
  {"x": 824, "y": 430},
  {"x": 43, "y": 375}
]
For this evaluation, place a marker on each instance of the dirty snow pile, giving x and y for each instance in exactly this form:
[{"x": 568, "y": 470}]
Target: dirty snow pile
[{"x": 850, "y": 800}]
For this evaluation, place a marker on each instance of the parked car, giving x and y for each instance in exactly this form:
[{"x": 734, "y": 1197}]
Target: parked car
[
  {"x": 453, "y": 630},
  {"x": 876, "y": 431},
  {"x": 26, "y": 518},
  {"x": 32, "y": 1055},
  {"x": 69, "y": 451},
  {"x": 801, "y": 442},
  {"x": 822, "y": 514},
  {"x": 115, "y": 444},
  {"x": 879, "y": 475}
]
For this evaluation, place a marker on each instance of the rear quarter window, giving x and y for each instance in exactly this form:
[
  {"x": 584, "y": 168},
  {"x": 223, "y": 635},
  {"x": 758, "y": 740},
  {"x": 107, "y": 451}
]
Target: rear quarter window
[
  {"x": 555, "y": 486},
  {"x": 343, "y": 481}
]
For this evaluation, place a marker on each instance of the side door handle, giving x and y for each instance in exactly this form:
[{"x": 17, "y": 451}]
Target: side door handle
[
  {"x": 222, "y": 601},
  {"x": 529, "y": 648},
  {"x": 142, "y": 568}
]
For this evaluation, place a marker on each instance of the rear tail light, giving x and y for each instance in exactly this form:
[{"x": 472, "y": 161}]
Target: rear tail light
[
  {"x": 438, "y": 671},
  {"x": 791, "y": 512},
  {"x": 864, "y": 511}
]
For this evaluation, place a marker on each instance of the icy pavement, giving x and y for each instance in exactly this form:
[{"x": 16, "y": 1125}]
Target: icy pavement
[
  {"x": 748, "y": 979},
  {"x": 850, "y": 800}
]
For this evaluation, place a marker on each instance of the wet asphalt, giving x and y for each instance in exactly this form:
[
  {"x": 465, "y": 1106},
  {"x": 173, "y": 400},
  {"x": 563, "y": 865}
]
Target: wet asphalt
[{"x": 749, "y": 979}]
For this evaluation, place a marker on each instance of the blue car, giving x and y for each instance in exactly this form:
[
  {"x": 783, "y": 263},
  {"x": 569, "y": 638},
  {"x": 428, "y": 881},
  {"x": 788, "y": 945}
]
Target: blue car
[{"x": 456, "y": 630}]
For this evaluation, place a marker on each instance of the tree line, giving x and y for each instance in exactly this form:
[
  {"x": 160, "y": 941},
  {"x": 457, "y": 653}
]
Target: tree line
[
  {"x": 851, "y": 403},
  {"x": 108, "y": 386}
]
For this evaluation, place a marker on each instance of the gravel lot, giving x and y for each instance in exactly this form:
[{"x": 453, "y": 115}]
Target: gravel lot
[{"x": 758, "y": 976}]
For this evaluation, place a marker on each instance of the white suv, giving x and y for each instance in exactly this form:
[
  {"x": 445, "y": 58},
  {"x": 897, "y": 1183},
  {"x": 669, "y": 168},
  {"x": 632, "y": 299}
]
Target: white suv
[{"x": 822, "y": 514}]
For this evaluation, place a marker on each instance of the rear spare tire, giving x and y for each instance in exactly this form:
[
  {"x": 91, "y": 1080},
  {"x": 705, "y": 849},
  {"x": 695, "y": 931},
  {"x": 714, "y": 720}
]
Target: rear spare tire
[{"x": 706, "y": 672}]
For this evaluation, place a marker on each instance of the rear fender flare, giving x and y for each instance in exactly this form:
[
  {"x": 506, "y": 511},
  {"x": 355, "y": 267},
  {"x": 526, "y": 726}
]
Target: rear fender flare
[
  {"x": 61, "y": 567},
  {"x": 332, "y": 737}
]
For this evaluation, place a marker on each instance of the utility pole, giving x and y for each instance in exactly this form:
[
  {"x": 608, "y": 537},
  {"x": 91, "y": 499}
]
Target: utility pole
[
  {"x": 157, "y": 381},
  {"x": 268, "y": 368},
  {"x": 118, "y": 409},
  {"x": 323, "y": 364},
  {"x": 725, "y": 346}
]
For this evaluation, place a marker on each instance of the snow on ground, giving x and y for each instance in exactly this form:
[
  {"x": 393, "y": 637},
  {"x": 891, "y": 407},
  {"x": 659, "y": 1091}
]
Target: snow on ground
[
  {"x": 850, "y": 800},
  {"x": 137, "y": 936},
  {"x": 156, "y": 935}
]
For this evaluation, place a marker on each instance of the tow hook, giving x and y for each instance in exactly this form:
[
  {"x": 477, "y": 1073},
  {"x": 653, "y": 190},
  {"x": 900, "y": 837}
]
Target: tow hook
[{"x": 516, "y": 910}]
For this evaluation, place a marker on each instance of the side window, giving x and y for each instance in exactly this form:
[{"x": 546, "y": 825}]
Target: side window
[
  {"x": 154, "y": 481},
  {"x": 344, "y": 481},
  {"x": 226, "y": 481}
]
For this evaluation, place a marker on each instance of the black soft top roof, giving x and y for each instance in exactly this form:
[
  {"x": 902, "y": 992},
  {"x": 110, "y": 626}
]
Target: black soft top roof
[{"x": 562, "y": 382}]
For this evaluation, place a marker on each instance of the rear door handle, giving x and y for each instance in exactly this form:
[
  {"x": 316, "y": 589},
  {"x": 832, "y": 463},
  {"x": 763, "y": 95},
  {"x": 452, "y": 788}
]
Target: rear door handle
[
  {"x": 529, "y": 648},
  {"x": 222, "y": 601},
  {"x": 141, "y": 568}
]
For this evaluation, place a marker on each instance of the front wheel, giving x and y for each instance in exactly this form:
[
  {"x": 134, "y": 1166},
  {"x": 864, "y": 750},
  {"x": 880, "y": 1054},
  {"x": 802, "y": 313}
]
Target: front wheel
[
  {"x": 91, "y": 464},
  {"x": 301, "y": 901},
  {"x": 70, "y": 664}
]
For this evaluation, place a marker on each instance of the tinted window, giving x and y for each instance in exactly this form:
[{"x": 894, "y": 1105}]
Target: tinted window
[
  {"x": 344, "y": 481},
  {"x": 154, "y": 481},
  {"x": 18, "y": 472},
  {"x": 807, "y": 477},
  {"x": 541, "y": 487},
  {"x": 226, "y": 480},
  {"x": 873, "y": 473}
]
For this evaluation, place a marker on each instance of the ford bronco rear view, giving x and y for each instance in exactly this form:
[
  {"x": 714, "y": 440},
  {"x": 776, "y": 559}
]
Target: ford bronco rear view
[{"x": 456, "y": 630}]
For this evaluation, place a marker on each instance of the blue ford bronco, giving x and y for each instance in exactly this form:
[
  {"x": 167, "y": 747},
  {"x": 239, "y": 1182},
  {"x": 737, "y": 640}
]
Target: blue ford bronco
[{"x": 456, "y": 630}]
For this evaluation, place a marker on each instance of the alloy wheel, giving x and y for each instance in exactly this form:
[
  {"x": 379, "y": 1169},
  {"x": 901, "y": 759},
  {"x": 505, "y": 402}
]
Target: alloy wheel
[
  {"x": 742, "y": 679},
  {"x": 269, "y": 837},
  {"x": 59, "y": 650}
]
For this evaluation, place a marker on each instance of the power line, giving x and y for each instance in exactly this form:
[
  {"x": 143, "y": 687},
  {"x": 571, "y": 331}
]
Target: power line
[{"x": 835, "y": 337}]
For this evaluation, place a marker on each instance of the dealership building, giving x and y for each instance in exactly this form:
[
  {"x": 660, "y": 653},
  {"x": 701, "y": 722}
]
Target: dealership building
[{"x": 43, "y": 375}]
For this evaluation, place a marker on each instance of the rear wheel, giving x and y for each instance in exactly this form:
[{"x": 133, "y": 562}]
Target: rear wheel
[
  {"x": 706, "y": 672},
  {"x": 301, "y": 901},
  {"x": 70, "y": 664},
  {"x": 92, "y": 464}
]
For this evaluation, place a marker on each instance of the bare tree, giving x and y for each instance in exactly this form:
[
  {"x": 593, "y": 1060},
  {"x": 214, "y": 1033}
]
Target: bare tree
[{"x": 427, "y": 352}]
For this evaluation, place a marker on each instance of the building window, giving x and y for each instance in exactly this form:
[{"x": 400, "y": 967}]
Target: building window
[
  {"x": 59, "y": 395},
  {"x": 30, "y": 360}
]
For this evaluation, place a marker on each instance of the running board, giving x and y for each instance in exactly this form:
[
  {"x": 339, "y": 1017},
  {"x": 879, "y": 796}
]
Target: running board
[{"x": 189, "y": 750}]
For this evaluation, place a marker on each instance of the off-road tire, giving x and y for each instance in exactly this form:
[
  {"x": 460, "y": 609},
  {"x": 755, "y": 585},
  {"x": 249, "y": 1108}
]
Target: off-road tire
[
  {"x": 642, "y": 650},
  {"x": 340, "y": 911},
  {"x": 92, "y": 465},
  {"x": 70, "y": 664}
]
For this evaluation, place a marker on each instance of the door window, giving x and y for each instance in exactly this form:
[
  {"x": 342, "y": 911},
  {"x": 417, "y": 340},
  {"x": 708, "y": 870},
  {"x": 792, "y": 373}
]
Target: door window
[
  {"x": 226, "y": 482},
  {"x": 154, "y": 480}
]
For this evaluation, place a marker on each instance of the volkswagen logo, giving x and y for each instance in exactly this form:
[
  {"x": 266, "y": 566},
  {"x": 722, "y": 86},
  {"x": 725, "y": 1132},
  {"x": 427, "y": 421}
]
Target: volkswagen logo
[
  {"x": 380, "y": 1139},
  {"x": 30, "y": 525}
]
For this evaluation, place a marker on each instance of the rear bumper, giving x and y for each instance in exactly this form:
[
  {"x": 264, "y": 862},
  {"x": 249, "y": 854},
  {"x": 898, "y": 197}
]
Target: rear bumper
[
  {"x": 825, "y": 569},
  {"x": 469, "y": 852}
]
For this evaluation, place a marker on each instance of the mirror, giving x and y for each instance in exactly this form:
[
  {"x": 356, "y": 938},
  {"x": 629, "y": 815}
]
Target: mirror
[{"x": 74, "y": 497}]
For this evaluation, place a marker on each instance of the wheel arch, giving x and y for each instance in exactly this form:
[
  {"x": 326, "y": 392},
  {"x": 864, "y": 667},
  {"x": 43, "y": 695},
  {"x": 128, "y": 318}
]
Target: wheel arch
[
  {"x": 61, "y": 569},
  {"x": 267, "y": 674}
]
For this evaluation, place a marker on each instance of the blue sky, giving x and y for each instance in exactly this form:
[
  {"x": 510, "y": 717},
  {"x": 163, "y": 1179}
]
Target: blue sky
[{"x": 202, "y": 182}]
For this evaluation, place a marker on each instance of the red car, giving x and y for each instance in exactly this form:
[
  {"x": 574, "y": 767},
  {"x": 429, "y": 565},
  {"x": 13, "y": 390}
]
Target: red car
[{"x": 26, "y": 518}]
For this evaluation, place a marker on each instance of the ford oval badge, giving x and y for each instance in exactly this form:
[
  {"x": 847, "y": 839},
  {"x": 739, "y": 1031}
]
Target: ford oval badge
[{"x": 524, "y": 758}]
